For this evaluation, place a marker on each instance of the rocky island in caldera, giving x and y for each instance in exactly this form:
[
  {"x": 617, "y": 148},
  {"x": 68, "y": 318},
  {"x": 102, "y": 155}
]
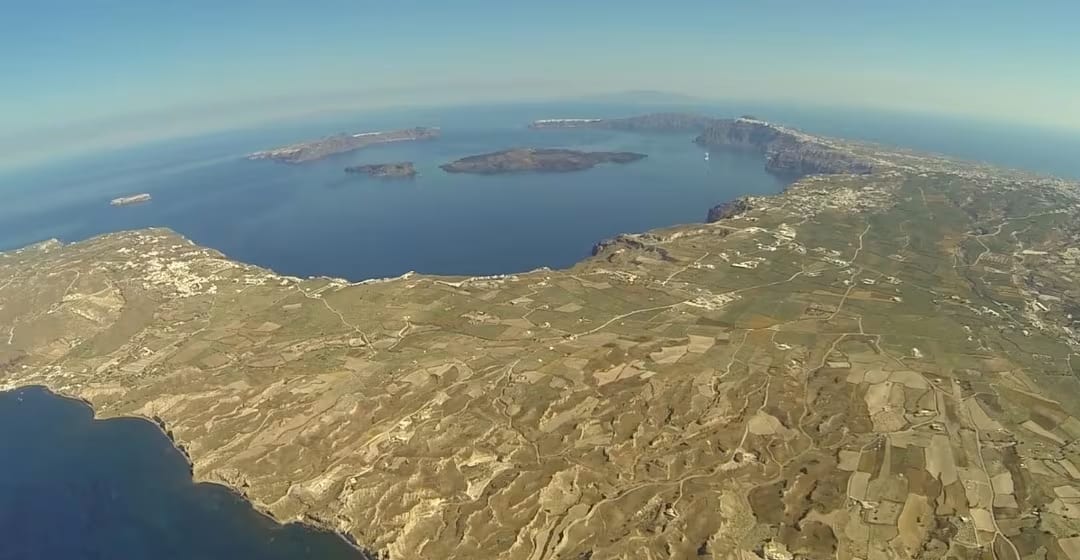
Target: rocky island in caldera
[
  {"x": 341, "y": 143},
  {"x": 401, "y": 169},
  {"x": 551, "y": 160}
]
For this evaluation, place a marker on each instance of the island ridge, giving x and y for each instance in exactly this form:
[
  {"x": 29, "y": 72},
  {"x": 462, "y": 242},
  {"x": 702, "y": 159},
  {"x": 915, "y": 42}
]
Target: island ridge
[
  {"x": 548, "y": 160},
  {"x": 384, "y": 170}
]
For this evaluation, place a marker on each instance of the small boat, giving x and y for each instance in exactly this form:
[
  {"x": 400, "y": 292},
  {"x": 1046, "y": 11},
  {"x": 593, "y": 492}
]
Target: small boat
[{"x": 706, "y": 156}]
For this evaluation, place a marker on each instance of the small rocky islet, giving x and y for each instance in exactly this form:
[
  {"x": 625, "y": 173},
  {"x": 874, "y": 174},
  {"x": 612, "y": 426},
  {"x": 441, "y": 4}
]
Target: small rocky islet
[{"x": 401, "y": 169}]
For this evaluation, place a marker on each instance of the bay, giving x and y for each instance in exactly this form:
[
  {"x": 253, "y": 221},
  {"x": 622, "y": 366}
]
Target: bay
[{"x": 313, "y": 219}]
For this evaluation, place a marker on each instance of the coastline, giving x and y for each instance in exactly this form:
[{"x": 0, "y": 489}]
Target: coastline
[{"x": 162, "y": 427}]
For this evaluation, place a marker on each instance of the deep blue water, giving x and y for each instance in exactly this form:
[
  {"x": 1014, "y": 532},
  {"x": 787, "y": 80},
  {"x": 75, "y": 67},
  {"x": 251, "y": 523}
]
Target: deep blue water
[
  {"x": 74, "y": 488},
  {"x": 312, "y": 219}
]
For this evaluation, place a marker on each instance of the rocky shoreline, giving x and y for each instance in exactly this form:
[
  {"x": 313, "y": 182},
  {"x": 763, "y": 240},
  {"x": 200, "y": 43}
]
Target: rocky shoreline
[{"x": 232, "y": 487}]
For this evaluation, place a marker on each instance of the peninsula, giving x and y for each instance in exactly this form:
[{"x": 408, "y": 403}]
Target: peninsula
[
  {"x": 401, "y": 169},
  {"x": 550, "y": 160},
  {"x": 871, "y": 364},
  {"x": 129, "y": 200},
  {"x": 342, "y": 143}
]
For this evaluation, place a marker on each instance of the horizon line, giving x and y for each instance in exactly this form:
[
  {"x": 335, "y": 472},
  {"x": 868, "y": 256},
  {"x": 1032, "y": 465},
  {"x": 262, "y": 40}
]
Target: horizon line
[{"x": 692, "y": 104}]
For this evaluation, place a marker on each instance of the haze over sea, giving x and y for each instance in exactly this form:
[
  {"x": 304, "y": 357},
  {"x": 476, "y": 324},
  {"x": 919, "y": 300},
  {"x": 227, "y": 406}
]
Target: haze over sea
[{"x": 78, "y": 488}]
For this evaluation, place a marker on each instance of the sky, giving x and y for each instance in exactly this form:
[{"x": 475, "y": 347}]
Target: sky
[{"x": 79, "y": 75}]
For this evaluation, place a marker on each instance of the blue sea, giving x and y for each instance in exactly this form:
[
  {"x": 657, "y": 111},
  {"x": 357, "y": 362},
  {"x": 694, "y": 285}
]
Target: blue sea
[
  {"x": 71, "y": 487},
  {"x": 74, "y": 488}
]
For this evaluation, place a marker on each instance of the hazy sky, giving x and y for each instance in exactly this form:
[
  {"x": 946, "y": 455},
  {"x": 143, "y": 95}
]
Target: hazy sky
[{"x": 80, "y": 74}]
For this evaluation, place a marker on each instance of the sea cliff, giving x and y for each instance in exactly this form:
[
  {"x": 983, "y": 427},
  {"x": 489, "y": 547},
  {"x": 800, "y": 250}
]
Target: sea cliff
[{"x": 785, "y": 150}]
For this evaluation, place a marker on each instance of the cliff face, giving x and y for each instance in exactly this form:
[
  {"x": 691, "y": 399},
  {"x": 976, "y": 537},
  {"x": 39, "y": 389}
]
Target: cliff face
[
  {"x": 803, "y": 158},
  {"x": 786, "y": 151},
  {"x": 729, "y": 209},
  {"x": 739, "y": 133},
  {"x": 647, "y": 243}
]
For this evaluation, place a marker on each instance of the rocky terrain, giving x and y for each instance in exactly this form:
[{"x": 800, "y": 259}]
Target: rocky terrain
[
  {"x": 332, "y": 145},
  {"x": 873, "y": 365},
  {"x": 385, "y": 170},
  {"x": 537, "y": 160},
  {"x": 727, "y": 210}
]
